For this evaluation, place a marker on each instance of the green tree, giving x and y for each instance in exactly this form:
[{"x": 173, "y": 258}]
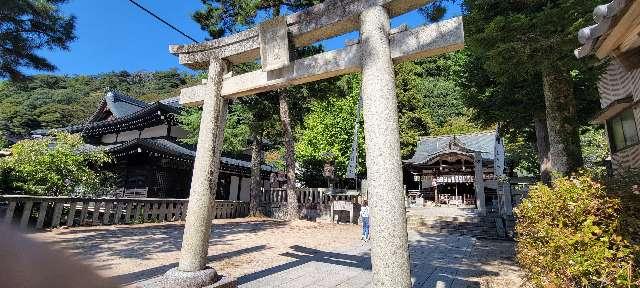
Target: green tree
[
  {"x": 57, "y": 165},
  {"x": 529, "y": 45},
  {"x": 328, "y": 128},
  {"x": 4, "y": 143},
  {"x": 595, "y": 147},
  {"x": 456, "y": 126},
  {"x": 430, "y": 102},
  {"x": 27, "y": 26}
]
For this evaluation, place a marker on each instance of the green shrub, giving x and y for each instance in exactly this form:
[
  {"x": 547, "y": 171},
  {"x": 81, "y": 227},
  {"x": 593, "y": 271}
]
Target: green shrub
[
  {"x": 55, "y": 165},
  {"x": 570, "y": 235},
  {"x": 625, "y": 186}
]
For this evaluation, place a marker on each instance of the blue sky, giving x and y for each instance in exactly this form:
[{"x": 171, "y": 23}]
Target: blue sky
[{"x": 115, "y": 35}]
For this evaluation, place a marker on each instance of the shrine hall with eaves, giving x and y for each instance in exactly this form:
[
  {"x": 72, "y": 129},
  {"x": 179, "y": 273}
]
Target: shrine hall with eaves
[
  {"x": 448, "y": 169},
  {"x": 150, "y": 160}
]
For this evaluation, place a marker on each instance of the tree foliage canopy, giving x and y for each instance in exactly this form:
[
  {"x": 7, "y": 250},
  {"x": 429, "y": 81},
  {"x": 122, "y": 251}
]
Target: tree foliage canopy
[
  {"x": 27, "y": 26},
  {"x": 512, "y": 46},
  {"x": 221, "y": 17},
  {"x": 54, "y": 166}
]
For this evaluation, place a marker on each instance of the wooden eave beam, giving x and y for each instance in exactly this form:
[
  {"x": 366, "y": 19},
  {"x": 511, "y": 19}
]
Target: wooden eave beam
[
  {"x": 424, "y": 41},
  {"x": 626, "y": 25},
  {"x": 326, "y": 20}
]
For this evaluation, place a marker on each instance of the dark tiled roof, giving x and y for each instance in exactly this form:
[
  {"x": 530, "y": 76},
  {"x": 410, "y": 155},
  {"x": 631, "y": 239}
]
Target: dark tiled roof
[
  {"x": 429, "y": 147},
  {"x": 147, "y": 114},
  {"x": 603, "y": 16},
  {"x": 167, "y": 147},
  {"x": 122, "y": 105},
  {"x": 173, "y": 101},
  {"x": 124, "y": 109}
]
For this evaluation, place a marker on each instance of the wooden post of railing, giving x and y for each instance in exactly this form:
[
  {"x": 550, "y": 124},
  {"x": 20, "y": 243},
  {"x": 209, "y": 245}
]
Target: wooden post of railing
[
  {"x": 9, "y": 216},
  {"x": 166, "y": 212},
  {"x": 96, "y": 212},
  {"x": 108, "y": 205},
  {"x": 83, "y": 212},
  {"x": 170, "y": 211},
  {"x": 26, "y": 214},
  {"x": 72, "y": 213},
  {"x": 149, "y": 210},
  {"x": 57, "y": 213},
  {"x": 156, "y": 210},
  {"x": 41, "y": 214},
  {"x": 183, "y": 213},
  {"x": 162, "y": 211},
  {"x": 137, "y": 211},
  {"x": 118, "y": 214},
  {"x": 127, "y": 214}
]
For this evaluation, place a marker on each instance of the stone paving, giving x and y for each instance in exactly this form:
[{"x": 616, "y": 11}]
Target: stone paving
[
  {"x": 267, "y": 253},
  {"x": 437, "y": 260}
]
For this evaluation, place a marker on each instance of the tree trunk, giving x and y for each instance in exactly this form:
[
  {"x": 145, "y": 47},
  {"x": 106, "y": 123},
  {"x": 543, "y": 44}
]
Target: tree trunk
[
  {"x": 256, "y": 161},
  {"x": 542, "y": 145},
  {"x": 562, "y": 125},
  {"x": 289, "y": 157}
]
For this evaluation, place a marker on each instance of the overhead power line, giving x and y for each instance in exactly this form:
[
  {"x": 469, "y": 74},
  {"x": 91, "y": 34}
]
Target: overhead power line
[{"x": 163, "y": 21}]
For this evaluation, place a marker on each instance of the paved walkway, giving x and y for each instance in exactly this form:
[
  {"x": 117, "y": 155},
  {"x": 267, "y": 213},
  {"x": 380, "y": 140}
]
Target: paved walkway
[
  {"x": 437, "y": 260},
  {"x": 269, "y": 253}
]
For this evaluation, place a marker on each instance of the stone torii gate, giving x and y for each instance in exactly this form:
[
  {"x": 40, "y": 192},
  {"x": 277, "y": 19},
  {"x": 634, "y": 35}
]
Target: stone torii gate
[{"x": 377, "y": 50}]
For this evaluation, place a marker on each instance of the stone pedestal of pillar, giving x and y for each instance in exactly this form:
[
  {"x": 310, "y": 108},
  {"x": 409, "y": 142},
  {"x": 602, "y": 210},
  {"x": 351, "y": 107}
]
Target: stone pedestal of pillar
[
  {"x": 207, "y": 278},
  {"x": 389, "y": 245}
]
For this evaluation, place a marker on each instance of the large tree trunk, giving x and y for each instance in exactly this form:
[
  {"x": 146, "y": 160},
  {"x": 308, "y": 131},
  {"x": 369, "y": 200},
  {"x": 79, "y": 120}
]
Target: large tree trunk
[
  {"x": 542, "y": 145},
  {"x": 256, "y": 161},
  {"x": 562, "y": 125},
  {"x": 289, "y": 158}
]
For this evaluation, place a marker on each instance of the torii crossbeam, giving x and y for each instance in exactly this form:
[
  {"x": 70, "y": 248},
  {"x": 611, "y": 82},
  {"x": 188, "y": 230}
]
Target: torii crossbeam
[{"x": 374, "y": 55}]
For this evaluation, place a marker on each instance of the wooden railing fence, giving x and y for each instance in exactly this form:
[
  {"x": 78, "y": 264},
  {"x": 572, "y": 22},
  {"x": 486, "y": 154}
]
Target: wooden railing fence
[
  {"x": 53, "y": 212},
  {"x": 305, "y": 195}
]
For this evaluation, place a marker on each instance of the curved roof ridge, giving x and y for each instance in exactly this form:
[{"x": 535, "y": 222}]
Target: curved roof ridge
[{"x": 121, "y": 97}]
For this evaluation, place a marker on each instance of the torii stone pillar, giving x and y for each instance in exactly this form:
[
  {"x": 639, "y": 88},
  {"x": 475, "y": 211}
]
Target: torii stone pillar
[
  {"x": 192, "y": 270},
  {"x": 195, "y": 243},
  {"x": 389, "y": 243}
]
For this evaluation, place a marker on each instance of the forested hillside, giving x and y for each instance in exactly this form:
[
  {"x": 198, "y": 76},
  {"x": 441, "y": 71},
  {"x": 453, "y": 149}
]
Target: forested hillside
[{"x": 47, "y": 101}]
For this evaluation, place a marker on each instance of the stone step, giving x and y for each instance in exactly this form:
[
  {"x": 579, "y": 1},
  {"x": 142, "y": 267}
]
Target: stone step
[{"x": 473, "y": 226}]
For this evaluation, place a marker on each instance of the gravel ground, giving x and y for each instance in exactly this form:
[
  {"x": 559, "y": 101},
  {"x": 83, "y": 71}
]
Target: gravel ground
[{"x": 263, "y": 252}]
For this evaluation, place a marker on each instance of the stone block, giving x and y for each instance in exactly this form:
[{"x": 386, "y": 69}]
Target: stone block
[{"x": 274, "y": 45}]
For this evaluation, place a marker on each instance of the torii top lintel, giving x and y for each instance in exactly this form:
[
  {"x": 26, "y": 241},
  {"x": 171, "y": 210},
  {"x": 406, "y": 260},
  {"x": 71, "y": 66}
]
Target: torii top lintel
[{"x": 328, "y": 19}]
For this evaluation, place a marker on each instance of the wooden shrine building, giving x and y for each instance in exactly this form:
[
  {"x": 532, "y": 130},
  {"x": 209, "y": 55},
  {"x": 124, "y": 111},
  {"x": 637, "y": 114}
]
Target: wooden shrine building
[
  {"x": 615, "y": 37},
  {"x": 150, "y": 161},
  {"x": 450, "y": 169}
]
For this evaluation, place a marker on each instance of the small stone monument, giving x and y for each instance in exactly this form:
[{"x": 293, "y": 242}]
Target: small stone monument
[{"x": 339, "y": 205}]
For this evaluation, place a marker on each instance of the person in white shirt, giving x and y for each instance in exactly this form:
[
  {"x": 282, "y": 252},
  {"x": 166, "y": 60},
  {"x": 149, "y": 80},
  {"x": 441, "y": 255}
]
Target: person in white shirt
[{"x": 364, "y": 214}]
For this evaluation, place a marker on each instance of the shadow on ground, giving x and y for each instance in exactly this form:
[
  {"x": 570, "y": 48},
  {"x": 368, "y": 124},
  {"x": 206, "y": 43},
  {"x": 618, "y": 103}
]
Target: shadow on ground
[
  {"x": 139, "y": 242},
  {"x": 138, "y": 276},
  {"x": 437, "y": 260},
  {"x": 303, "y": 255}
]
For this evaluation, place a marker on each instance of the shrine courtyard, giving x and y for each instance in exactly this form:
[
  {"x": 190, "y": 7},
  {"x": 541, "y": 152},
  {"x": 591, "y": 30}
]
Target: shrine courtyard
[{"x": 272, "y": 253}]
